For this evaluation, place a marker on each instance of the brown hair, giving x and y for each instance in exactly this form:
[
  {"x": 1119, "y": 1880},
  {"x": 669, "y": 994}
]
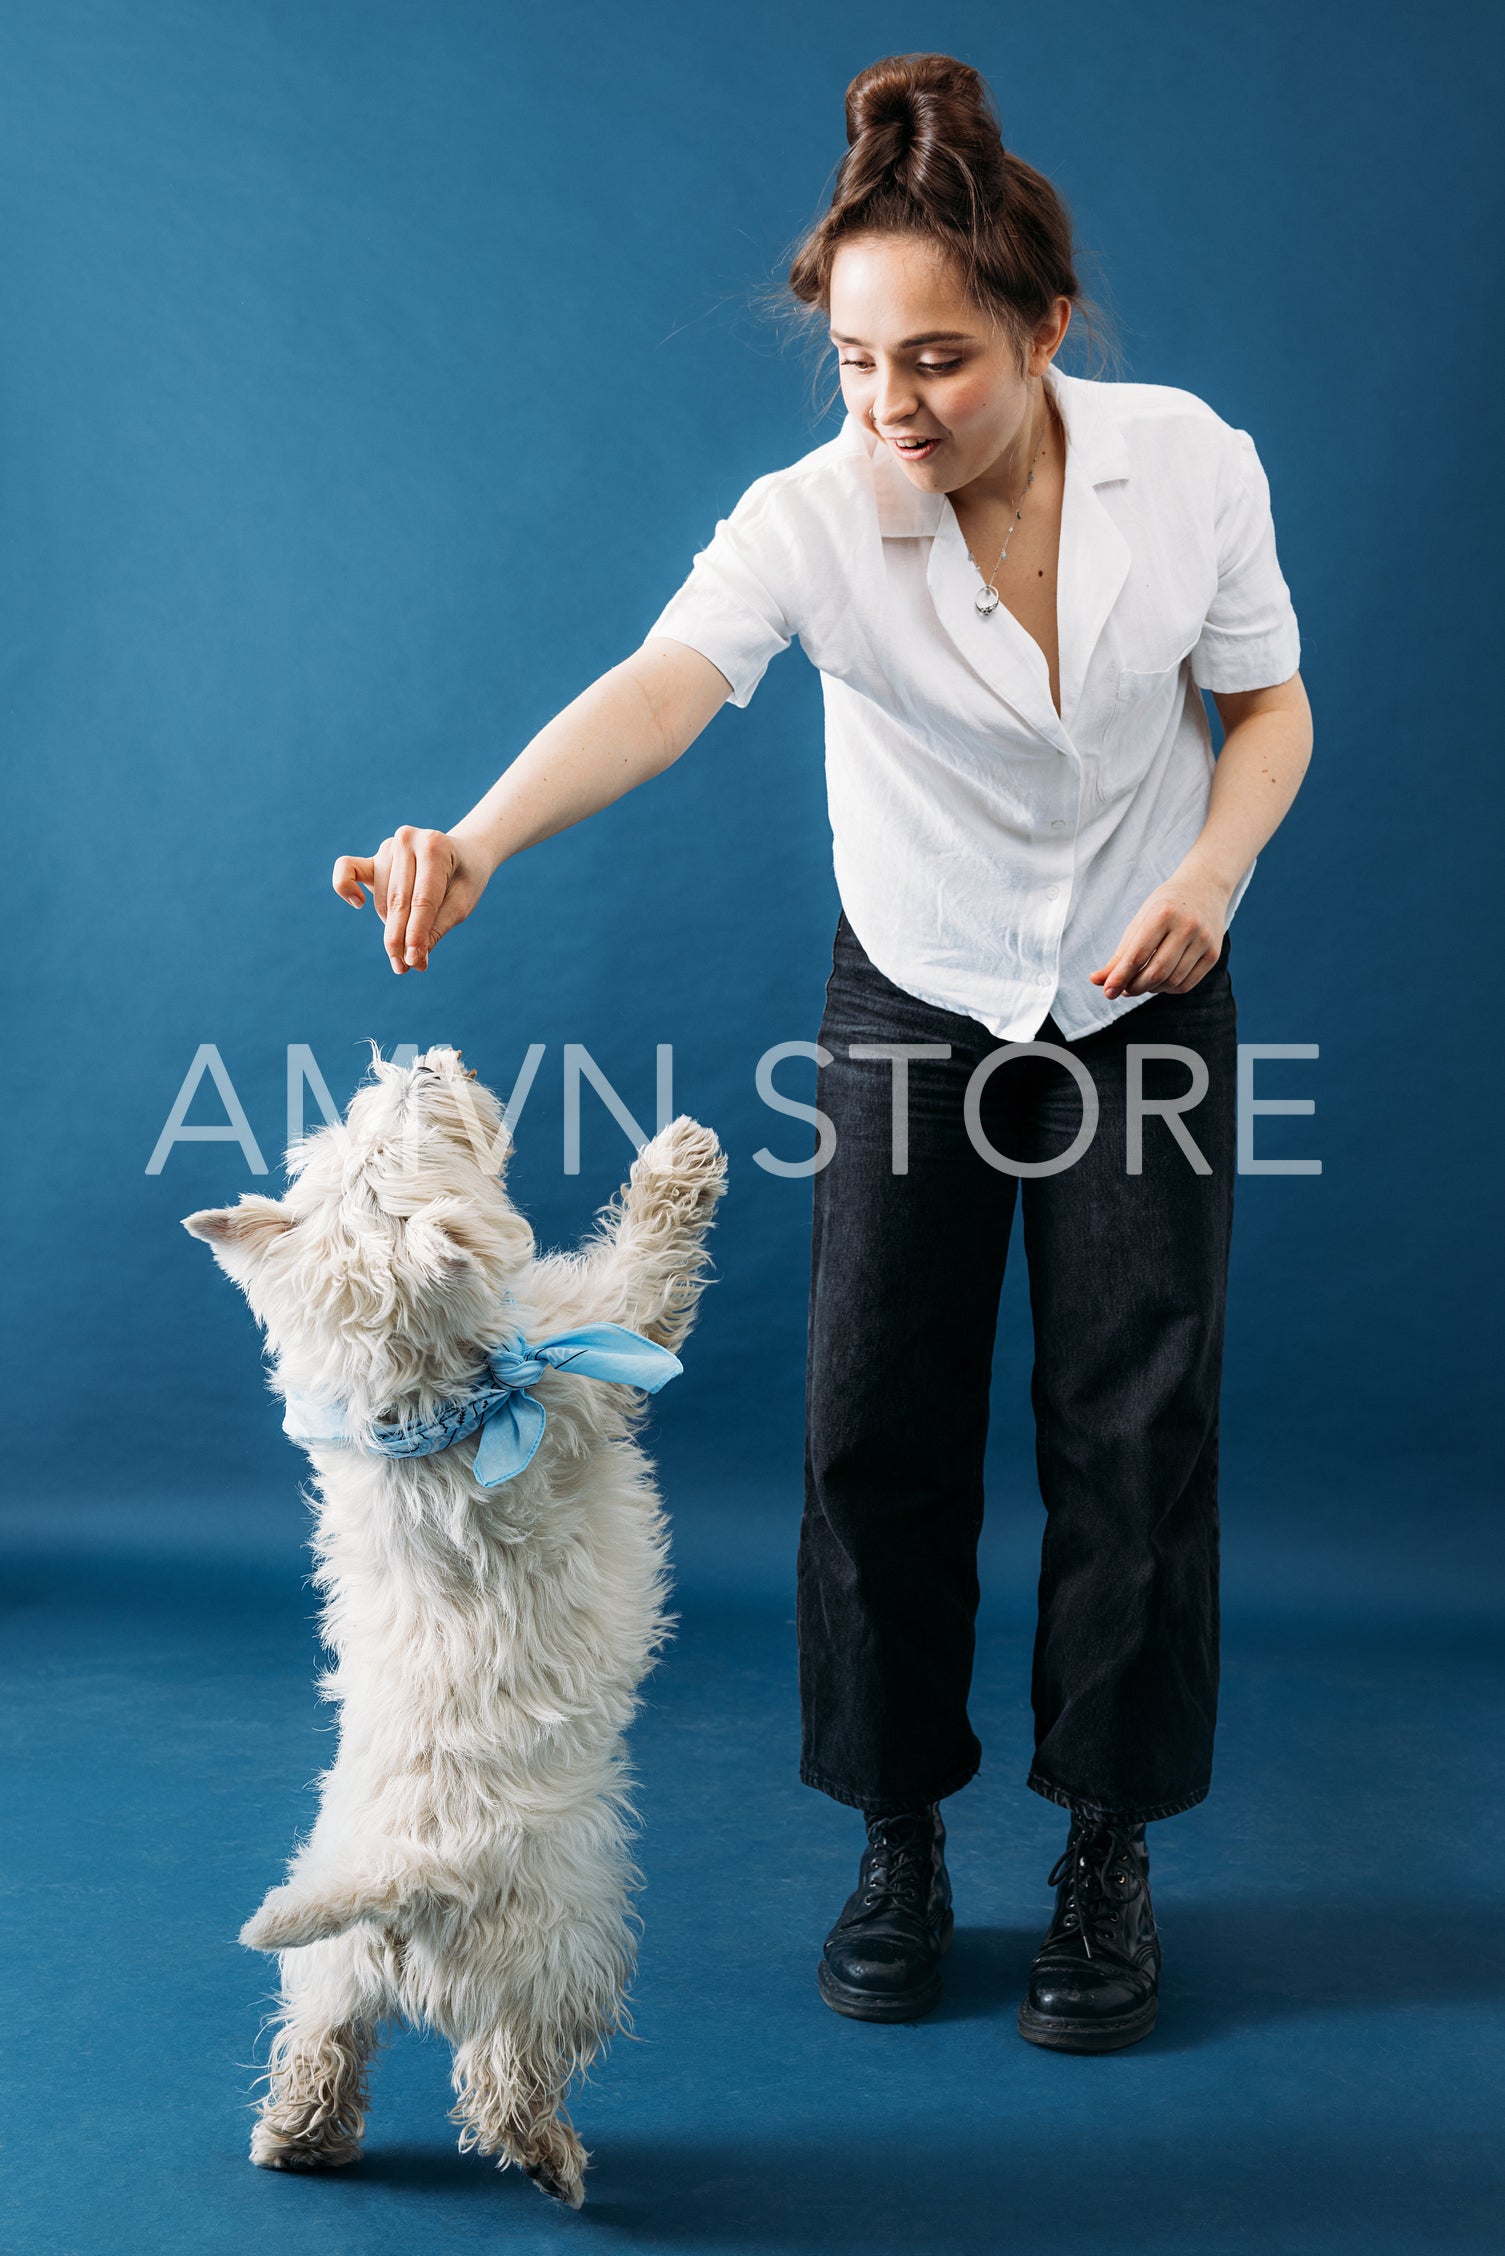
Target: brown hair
[{"x": 926, "y": 157}]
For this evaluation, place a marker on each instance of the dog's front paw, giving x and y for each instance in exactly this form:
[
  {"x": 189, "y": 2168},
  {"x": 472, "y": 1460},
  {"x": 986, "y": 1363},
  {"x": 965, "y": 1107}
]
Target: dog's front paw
[
  {"x": 287, "y": 1920},
  {"x": 686, "y": 1161}
]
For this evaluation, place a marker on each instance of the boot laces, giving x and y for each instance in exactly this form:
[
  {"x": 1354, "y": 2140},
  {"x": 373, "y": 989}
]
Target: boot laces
[
  {"x": 1102, "y": 1874},
  {"x": 897, "y": 1864}
]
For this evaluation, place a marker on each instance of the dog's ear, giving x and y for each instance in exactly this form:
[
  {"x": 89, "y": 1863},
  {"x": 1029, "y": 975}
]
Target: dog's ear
[
  {"x": 437, "y": 1248},
  {"x": 238, "y": 1236}
]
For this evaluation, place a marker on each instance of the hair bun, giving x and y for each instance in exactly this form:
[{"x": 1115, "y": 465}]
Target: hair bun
[{"x": 896, "y": 95}]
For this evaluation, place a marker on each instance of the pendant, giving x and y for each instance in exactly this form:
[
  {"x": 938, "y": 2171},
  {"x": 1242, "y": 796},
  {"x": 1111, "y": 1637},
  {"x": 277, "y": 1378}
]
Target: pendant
[{"x": 987, "y": 601}]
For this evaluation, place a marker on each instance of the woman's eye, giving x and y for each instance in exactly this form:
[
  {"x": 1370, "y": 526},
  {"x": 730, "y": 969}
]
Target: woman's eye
[{"x": 925, "y": 367}]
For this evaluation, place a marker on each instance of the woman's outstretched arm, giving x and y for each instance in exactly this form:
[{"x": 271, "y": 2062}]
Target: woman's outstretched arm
[{"x": 629, "y": 725}]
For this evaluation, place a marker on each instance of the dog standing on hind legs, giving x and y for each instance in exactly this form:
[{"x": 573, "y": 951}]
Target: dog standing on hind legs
[{"x": 491, "y": 1551}]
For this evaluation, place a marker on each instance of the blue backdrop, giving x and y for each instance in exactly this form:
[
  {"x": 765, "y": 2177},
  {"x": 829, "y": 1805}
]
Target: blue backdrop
[{"x": 371, "y": 375}]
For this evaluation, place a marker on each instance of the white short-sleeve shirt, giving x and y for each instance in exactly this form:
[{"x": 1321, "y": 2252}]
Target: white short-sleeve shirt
[{"x": 989, "y": 852}]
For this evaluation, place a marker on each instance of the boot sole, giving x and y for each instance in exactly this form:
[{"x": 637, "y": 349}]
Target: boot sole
[
  {"x": 902, "y": 2005},
  {"x": 1075, "y": 2036}
]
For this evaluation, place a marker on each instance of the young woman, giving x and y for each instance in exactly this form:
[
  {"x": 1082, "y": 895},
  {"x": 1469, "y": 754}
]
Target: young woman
[{"x": 1015, "y": 584}]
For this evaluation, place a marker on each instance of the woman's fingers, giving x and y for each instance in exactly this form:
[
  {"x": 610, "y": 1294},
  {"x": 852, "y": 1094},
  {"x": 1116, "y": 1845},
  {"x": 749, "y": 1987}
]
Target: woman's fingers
[
  {"x": 1132, "y": 969},
  {"x": 434, "y": 867},
  {"x": 1154, "y": 961},
  {"x": 379, "y": 889},
  {"x": 401, "y": 867},
  {"x": 1135, "y": 952},
  {"x": 1193, "y": 963},
  {"x": 1168, "y": 963},
  {"x": 419, "y": 867},
  {"x": 351, "y": 873}
]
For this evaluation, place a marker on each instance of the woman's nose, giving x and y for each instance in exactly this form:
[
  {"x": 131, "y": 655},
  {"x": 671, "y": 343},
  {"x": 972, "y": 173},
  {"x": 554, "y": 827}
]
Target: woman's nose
[{"x": 892, "y": 405}]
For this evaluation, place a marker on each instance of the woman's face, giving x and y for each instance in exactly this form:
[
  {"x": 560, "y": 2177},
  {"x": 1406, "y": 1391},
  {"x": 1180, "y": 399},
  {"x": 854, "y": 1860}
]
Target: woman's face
[{"x": 919, "y": 361}]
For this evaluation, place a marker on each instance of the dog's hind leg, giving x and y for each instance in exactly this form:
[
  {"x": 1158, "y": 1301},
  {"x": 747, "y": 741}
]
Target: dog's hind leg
[
  {"x": 510, "y": 2087},
  {"x": 539, "y": 1993},
  {"x": 314, "y": 2112},
  {"x": 555, "y": 1987}
]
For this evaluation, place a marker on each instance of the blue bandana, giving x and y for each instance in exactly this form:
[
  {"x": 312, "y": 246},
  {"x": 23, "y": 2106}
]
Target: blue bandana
[{"x": 511, "y": 1421}]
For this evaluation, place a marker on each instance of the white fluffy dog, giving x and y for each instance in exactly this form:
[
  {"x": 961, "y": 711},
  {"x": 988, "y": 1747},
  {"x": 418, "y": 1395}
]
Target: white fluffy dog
[{"x": 469, "y": 1866}]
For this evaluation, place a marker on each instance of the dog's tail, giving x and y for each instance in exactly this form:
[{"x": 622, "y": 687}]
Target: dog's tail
[{"x": 304, "y": 1911}]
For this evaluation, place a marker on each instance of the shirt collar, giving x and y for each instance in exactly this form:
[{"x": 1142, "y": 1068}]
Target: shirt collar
[{"x": 1094, "y": 436}]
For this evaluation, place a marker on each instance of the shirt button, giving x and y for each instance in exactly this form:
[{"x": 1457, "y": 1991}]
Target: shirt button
[
  {"x": 1051, "y": 892},
  {"x": 1042, "y": 978},
  {"x": 1058, "y": 824}
]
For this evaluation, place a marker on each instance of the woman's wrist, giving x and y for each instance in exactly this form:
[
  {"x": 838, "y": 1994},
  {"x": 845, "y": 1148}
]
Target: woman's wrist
[
  {"x": 483, "y": 845},
  {"x": 1204, "y": 867}
]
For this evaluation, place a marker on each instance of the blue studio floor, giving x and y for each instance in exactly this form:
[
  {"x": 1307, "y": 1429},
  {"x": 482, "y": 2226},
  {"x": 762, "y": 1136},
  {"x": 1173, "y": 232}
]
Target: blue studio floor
[{"x": 1325, "y": 2076}]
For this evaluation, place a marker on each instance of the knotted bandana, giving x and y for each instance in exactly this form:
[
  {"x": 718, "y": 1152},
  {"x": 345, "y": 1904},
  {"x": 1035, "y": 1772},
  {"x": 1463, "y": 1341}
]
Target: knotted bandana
[{"x": 510, "y": 1419}]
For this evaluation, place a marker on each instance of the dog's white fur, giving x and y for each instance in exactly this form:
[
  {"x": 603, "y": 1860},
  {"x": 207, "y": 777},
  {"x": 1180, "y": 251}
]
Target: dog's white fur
[{"x": 469, "y": 1866}]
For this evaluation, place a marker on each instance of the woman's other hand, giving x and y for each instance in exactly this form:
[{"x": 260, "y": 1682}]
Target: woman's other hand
[
  {"x": 423, "y": 883},
  {"x": 1177, "y": 936},
  {"x": 1173, "y": 941}
]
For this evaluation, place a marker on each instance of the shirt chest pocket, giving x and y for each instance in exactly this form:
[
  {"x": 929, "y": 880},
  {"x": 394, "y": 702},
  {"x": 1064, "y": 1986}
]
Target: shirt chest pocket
[{"x": 1145, "y": 710}]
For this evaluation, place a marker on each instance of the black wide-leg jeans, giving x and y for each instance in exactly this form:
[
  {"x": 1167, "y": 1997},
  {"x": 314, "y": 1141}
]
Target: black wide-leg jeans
[{"x": 1128, "y": 1269}]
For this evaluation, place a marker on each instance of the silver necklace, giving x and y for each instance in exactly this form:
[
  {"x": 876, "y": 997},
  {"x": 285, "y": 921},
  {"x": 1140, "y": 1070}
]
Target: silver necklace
[{"x": 988, "y": 599}]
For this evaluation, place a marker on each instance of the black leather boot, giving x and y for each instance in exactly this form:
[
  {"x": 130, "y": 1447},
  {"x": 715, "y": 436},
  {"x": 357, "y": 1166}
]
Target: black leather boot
[
  {"x": 882, "y": 1959},
  {"x": 1094, "y": 1985}
]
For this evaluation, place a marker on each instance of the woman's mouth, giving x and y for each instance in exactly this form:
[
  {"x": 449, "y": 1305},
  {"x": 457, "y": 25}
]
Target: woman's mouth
[{"x": 914, "y": 450}]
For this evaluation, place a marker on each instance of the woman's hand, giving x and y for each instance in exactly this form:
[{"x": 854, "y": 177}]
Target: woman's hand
[
  {"x": 1173, "y": 941},
  {"x": 423, "y": 882},
  {"x": 1177, "y": 936}
]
